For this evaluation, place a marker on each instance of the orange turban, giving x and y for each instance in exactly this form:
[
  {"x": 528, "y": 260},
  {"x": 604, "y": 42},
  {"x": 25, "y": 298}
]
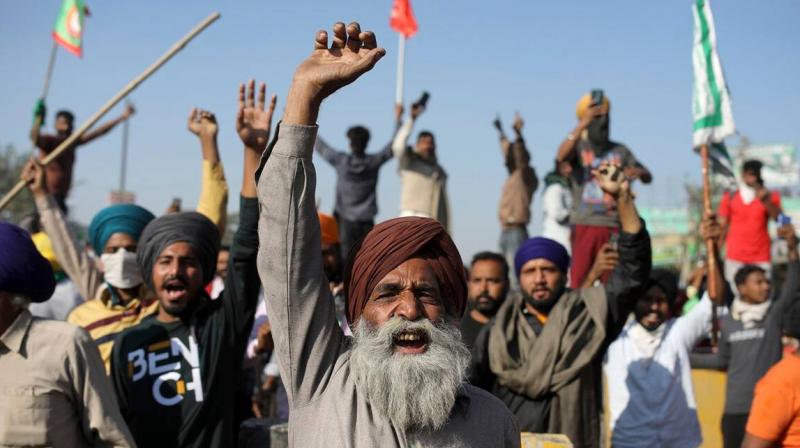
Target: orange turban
[
  {"x": 586, "y": 101},
  {"x": 329, "y": 228},
  {"x": 392, "y": 242}
]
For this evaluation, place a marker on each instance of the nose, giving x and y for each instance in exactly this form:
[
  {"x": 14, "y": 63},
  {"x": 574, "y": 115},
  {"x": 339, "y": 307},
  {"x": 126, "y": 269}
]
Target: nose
[{"x": 408, "y": 307}]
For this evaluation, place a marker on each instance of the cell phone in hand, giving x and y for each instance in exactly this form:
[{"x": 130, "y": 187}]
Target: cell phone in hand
[
  {"x": 176, "y": 203},
  {"x": 614, "y": 241},
  {"x": 423, "y": 100},
  {"x": 597, "y": 97},
  {"x": 497, "y": 124}
]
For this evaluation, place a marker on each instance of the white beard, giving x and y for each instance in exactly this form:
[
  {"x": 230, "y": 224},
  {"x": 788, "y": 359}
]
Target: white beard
[{"x": 415, "y": 392}]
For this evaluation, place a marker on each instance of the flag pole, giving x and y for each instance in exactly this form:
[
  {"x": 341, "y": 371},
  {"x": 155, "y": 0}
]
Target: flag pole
[
  {"x": 123, "y": 168},
  {"x": 49, "y": 73},
  {"x": 711, "y": 249},
  {"x": 178, "y": 46},
  {"x": 401, "y": 65}
]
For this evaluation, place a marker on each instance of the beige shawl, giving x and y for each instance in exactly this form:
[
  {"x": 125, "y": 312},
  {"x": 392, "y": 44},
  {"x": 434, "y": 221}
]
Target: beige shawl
[{"x": 557, "y": 362}]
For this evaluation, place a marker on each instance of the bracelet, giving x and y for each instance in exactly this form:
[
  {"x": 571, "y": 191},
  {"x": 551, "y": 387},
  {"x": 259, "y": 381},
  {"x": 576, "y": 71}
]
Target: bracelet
[{"x": 571, "y": 137}]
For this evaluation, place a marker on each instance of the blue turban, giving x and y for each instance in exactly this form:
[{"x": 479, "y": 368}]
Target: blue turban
[
  {"x": 119, "y": 218},
  {"x": 23, "y": 270},
  {"x": 541, "y": 247}
]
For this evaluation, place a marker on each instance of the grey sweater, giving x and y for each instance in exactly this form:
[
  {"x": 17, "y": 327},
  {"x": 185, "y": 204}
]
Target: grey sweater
[
  {"x": 326, "y": 408},
  {"x": 749, "y": 353}
]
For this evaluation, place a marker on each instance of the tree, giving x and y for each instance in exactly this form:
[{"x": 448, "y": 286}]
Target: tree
[{"x": 11, "y": 163}]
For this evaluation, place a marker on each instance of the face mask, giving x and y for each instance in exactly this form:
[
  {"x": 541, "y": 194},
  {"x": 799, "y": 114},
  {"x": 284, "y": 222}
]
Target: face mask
[
  {"x": 598, "y": 130},
  {"x": 121, "y": 270}
]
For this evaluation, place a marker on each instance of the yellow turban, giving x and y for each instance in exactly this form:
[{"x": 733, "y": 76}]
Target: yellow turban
[
  {"x": 586, "y": 101},
  {"x": 329, "y": 228},
  {"x": 45, "y": 247}
]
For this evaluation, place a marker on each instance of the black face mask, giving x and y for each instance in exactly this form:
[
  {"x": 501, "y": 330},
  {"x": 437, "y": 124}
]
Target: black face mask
[
  {"x": 598, "y": 131},
  {"x": 544, "y": 306}
]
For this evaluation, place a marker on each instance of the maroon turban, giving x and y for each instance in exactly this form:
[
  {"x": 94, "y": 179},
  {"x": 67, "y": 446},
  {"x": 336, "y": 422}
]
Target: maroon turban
[{"x": 391, "y": 243}]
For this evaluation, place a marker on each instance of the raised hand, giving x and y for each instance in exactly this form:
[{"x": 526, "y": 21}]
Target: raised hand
[
  {"x": 612, "y": 180},
  {"x": 710, "y": 229},
  {"x": 128, "y": 112},
  {"x": 518, "y": 123},
  {"x": 253, "y": 121},
  {"x": 351, "y": 54},
  {"x": 416, "y": 110},
  {"x": 33, "y": 174},
  {"x": 203, "y": 123}
]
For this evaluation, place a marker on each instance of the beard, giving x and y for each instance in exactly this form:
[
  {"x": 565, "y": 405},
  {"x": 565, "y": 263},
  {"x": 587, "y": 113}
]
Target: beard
[
  {"x": 544, "y": 305},
  {"x": 598, "y": 131},
  {"x": 415, "y": 392},
  {"x": 488, "y": 308}
]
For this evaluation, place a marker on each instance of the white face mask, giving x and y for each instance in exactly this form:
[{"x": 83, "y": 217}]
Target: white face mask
[{"x": 121, "y": 270}]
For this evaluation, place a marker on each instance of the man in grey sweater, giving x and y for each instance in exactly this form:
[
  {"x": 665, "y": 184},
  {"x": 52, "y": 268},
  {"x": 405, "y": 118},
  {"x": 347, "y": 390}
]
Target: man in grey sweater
[{"x": 405, "y": 288}]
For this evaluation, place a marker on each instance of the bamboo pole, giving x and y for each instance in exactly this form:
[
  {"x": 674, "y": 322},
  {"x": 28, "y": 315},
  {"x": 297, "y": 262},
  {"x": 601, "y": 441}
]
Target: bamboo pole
[
  {"x": 178, "y": 46},
  {"x": 711, "y": 249}
]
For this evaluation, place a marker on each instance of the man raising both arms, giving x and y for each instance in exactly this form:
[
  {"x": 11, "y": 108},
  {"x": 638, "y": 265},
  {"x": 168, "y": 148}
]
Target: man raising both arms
[{"x": 399, "y": 381}]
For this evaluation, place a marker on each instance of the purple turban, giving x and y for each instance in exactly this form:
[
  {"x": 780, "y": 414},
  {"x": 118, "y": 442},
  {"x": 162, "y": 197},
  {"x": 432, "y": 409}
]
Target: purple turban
[
  {"x": 541, "y": 247},
  {"x": 23, "y": 270}
]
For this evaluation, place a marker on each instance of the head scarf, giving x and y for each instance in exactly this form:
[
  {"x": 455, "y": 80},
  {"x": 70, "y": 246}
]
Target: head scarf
[
  {"x": 119, "y": 218},
  {"x": 45, "y": 247},
  {"x": 189, "y": 227},
  {"x": 392, "y": 242},
  {"x": 666, "y": 281},
  {"x": 23, "y": 270},
  {"x": 329, "y": 228},
  {"x": 586, "y": 101},
  {"x": 541, "y": 247}
]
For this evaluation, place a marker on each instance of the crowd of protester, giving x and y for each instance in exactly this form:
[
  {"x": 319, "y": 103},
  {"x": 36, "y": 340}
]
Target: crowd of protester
[{"x": 358, "y": 333}]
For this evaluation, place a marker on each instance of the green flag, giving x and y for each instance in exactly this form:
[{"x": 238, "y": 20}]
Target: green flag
[
  {"x": 68, "y": 31},
  {"x": 713, "y": 119}
]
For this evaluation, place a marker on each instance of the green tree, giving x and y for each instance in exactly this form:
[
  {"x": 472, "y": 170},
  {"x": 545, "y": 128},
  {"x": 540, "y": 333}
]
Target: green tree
[{"x": 11, "y": 164}]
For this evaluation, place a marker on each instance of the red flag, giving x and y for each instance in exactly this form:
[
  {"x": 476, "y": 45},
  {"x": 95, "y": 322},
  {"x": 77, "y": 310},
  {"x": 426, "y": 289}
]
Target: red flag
[{"x": 402, "y": 19}]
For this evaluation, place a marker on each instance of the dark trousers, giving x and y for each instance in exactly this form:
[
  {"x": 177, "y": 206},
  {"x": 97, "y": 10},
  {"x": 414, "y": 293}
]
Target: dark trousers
[
  {"x": 350, "y": 232},
  {"x": 733, "y": 429}
]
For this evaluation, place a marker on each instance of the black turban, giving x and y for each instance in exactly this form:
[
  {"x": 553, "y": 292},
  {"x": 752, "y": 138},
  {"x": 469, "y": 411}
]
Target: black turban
[{"x": 188, "y": 227}]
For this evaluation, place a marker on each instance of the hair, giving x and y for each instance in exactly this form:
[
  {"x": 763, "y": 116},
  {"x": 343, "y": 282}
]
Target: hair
[
  {"x": 491, "y": 256},
  {"x": 423, "y": 134},
  {"x": 67, "y": 115},
  {"x": 359, "y": 137},
  {"x": 741, "y": 275},
  {"x": 752, "y": 166}
]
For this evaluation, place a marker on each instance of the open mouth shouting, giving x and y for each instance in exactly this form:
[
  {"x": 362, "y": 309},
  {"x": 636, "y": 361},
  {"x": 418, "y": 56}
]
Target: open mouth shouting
[
  {"x": 175, "y": 290},
  {"x": 410, "y": 342}
]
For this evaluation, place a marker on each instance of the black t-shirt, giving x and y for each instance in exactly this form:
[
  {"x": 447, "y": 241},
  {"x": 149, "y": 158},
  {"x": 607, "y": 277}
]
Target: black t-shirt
[
  {"x": 470, "y": 329},
  {"x": 175, "y": 382}
]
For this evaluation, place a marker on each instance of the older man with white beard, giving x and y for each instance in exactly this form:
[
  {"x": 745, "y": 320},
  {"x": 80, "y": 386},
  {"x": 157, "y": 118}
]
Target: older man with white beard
[{"x": 399, "y": 381}]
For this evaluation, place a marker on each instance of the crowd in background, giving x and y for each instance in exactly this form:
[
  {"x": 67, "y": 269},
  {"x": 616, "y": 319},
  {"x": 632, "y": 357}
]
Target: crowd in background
[{"x": 160, "y": 331}]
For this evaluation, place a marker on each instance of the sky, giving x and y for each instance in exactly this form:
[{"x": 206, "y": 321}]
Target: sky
[{"x": 476, "y": 58}]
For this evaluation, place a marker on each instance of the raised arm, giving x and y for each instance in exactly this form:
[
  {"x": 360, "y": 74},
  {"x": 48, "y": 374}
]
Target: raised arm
[
  {"x": 567, "y": 148},
  {"x": 240, "y": 296},
  {"x": 213, "y": 202},
  {"x": 307, "y": 337},
  {"x": 635, "y": 253},
  {"x": 327, "y": 151},
  {"x": 70, "y": 255},
  {"x": 106, "y": 127},
  {"x": 400, "y": 142}
]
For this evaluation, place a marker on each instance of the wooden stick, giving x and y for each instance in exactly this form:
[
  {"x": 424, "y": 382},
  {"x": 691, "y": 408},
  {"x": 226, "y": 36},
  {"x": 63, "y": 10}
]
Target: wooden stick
[
  {"x": 711, "y": 249},
  {"x": 114, "y": 100}
]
